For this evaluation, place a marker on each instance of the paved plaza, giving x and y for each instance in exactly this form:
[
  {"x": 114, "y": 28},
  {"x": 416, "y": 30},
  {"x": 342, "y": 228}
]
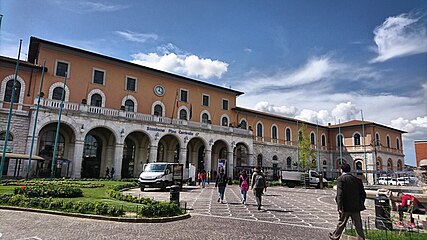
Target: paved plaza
[{"x": 287, "y": 214}]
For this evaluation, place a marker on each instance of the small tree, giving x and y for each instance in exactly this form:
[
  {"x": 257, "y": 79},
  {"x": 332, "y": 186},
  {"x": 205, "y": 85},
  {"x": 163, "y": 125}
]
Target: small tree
[{"x": 306, "y": 153}]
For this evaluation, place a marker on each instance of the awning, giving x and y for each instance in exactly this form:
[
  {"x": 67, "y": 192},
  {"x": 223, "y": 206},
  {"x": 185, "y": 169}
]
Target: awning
[
  {"x": 423, "y": 163},
  {"x": 21, "y": 156}
]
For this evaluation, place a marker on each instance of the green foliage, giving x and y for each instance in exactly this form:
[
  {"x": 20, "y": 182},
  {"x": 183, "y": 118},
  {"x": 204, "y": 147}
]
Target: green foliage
[
  {"x": 390, "y": 235},
  {"x": 68, "y": 183},
  {"x": 128, "y": 198},
  {"x": 100, "y": 208},
  {"x": 306, "y": 153},
  {"x": 160, "y": 209},
  {"x": 49, "y": 191}
]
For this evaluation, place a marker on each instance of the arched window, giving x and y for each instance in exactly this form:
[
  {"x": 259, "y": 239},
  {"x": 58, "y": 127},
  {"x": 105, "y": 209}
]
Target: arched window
[
  {"x": 183, "y": 114},
  {"x": 57, "y": 93},
  {"x": 47, "y": 143},
  {"x": 259, "y": 132},
  {"x": 129, "y": 106},
  {"x": 399, "y": 165},
  {"x": 397, "y": 144},
  {"x": 243, "y": 124},
  {"x": 9, "y": 89},
  {"x": 224, "y": 121},
  {"x": 158, "y": 110},
  {"x": 274, "y": 158},
  {"x": 356, "y": 139},
  {"x": 388, "y": 141},
  {"x": 312, "y": 139},
  {"x": 324, "y": 162},
  {"x": 389, "y": 164},
  {"x": 274, "y": 132},
  {"x": 289, "y": 162},
  {"x": 323, "y": 140},
  {"x": 377, "y": 139},
  {"x": 359, "y": 168},
  {"x": 96, "y": 100},
  {"x": 205, "y": 118},
  {"x": 288, "y": 134},
  {"x": 3, "y": 136}
]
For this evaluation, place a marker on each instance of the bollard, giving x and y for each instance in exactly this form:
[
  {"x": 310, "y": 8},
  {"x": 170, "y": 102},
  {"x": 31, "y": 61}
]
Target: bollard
[{"x": 174, "y": 193}]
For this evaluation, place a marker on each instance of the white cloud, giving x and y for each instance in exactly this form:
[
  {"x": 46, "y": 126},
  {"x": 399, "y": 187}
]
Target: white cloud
[
  {"x": 247, "y": 50},
  {"x": 190, "y": 65},
  {"x": 400, "y": 36},
  {"x": 89, "y": 7},
  {"x": 281, "y": 110},
  {"x": 137, "y": 37},
  {"x": 416, "y": 128}
]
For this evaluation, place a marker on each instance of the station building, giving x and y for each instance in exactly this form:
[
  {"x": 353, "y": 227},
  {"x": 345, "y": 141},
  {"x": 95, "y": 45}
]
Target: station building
[{"x": 121, "y": 115}]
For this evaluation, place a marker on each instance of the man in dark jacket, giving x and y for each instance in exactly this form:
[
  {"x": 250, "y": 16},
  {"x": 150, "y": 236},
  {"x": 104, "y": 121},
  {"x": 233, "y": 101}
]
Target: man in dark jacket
[{"x": 350, "y": 201}]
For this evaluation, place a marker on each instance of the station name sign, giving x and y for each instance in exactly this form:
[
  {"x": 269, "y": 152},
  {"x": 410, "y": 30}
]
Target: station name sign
[{"x": 155, "y": 129}]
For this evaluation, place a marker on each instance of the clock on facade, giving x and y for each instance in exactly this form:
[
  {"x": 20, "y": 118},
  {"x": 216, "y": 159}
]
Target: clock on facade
[{"x": 159, "y": 90}]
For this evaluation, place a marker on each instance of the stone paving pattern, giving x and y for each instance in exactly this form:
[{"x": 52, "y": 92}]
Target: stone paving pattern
[{"x": 287, "y": 214}]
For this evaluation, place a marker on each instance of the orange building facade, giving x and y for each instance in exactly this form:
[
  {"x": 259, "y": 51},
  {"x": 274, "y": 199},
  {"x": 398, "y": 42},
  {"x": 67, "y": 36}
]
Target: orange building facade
[
  {"x": 421, "y": 152},
  {"x": 123, "y": 115}
]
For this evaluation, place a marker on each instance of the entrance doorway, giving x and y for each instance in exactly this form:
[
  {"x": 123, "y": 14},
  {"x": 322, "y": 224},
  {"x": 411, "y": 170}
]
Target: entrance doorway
[{"x": 91, "y": 164}]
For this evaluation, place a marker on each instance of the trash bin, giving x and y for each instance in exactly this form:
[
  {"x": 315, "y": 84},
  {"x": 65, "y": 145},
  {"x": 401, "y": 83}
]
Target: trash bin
[
  {"x": 174, "y": 193},
  {"x": 382, "y": 213}
]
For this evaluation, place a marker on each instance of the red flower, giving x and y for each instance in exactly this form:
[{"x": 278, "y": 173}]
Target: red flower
[{"x": 22, "y": 187}]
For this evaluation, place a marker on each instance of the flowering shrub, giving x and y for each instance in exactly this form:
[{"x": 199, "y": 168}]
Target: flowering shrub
[
  {"x": 99, "y": 208},
  {"x": 49, "y": 191}
]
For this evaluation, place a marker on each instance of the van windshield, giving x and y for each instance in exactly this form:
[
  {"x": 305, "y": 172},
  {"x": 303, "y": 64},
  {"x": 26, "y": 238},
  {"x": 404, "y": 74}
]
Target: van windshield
[{"x": 155, "y": 168}]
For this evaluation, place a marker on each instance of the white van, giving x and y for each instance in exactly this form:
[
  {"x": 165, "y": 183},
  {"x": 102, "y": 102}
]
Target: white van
[{"x": 161, "y": 175}]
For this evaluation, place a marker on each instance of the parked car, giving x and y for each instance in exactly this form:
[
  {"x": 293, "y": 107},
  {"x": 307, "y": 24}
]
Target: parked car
[
  {"x": 402, "y": 181},
  {"x": 385, "y": 181}
]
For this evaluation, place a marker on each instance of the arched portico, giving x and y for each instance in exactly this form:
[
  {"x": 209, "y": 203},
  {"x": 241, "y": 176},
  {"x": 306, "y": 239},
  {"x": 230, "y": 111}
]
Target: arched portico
[{"x": 136, "y": 151}]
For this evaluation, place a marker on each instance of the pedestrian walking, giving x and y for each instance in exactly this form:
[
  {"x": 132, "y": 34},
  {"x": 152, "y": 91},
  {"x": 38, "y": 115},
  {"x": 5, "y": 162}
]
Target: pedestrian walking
[
  {"x": 208, "y": 176},
  {"x": 112, "y": 173},
  {"x": 244, "y": 185},
  {"x": 203, "y": 176},
  {"x": 259, "y": 185},
  {"x": 221, "y": 183},
  {"x": 350, "y": 201},
  {"x": 199, "y": 177}
]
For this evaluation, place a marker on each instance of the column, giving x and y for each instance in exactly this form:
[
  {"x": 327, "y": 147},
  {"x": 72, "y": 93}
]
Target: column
[
  {"x": 153, "y": 154},
  {"x": 182, "y": 155},
  {"x": 208, "y": 160},
  {"x": 118, "y": 158},
  {"x": 77, "y": 159},
  {"x": 230, "y": 164}
]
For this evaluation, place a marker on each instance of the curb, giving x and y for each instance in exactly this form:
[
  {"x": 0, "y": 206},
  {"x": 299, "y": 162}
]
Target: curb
[{"x": 99, "y": 217}]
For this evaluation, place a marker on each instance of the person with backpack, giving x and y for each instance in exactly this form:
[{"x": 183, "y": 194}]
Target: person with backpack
[
  {"x": 221, "y": 183},
  {"x": 259, "y": 185},
  {"x": 244, "y": 185}
]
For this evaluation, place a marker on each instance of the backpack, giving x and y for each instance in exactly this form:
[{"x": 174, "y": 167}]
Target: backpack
[
  {"x": 245, "y": 185},
  {"x": 221, "y": 180},
  {"x": 259, "y": 181}
]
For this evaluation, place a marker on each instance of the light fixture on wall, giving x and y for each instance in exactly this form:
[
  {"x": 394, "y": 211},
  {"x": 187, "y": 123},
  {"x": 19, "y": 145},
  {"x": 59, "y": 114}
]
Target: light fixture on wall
[
  {"x": 233, "y": 144},
  {"x": 122, "y": 133},
  {"x": 185, "y": 139},
  {"x": 82, "y": 129},
  {"x": 211, "y": 141},
  {"x": 156, "y": 136}
]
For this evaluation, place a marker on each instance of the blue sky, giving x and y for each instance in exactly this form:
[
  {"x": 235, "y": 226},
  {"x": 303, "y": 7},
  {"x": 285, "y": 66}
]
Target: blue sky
[{"x": 313, "y": 60}]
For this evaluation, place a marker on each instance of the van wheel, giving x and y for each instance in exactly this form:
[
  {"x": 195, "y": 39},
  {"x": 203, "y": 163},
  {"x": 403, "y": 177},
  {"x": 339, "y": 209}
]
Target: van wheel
[
  {"x": 318, "y": 186},
  {"x": 142, "y": 189},
  {"x": 165, "y": 184},
  {"x": 291, "y": 185}
]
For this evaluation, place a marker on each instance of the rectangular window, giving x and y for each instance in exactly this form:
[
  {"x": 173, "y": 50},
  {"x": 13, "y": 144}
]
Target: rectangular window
[
  {"x": 205, "y": 101},
  {"x": 184, "y": 95},
  {"x": 61, "y": 69},
  {"x": 98, "y": 76},
  {"x": 130, "y": 84},
  {"x": 224, "y": 104}
]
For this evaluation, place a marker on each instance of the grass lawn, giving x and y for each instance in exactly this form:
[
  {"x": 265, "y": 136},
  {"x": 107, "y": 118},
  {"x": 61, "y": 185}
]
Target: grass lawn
[{"x": 389, "y": 235}]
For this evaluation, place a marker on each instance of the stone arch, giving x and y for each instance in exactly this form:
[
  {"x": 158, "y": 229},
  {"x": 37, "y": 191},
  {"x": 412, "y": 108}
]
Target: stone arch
[
  {"x": 21, "y": 91},
  {"x": 61, "y": 85},
  {"x": 135, "y": 102},
  {"x": 97, "y": 91}
]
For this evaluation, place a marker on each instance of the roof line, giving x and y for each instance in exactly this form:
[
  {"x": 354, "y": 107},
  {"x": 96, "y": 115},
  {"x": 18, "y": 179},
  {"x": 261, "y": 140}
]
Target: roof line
[{"x": 36, "y": 40}]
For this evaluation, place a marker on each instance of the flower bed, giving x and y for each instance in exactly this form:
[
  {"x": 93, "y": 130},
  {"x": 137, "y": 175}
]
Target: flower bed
[{"x": 49, "y": 191}]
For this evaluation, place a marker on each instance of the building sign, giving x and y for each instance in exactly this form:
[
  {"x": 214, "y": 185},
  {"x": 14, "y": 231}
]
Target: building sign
[{"x": 174, "y": 131}]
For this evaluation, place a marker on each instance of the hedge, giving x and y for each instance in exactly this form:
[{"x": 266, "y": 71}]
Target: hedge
[{"x": 99, "y": 208}]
